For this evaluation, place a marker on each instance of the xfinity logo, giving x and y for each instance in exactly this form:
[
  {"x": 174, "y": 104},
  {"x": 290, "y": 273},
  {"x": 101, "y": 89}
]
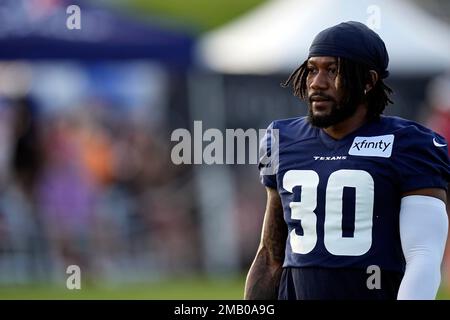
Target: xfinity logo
[
  {"x": 378, "y": 146},
  {"x": 365, "y": 144}
]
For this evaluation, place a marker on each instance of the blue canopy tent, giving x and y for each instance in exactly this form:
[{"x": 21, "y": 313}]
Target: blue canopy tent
[{"x": 36, "y": 29}]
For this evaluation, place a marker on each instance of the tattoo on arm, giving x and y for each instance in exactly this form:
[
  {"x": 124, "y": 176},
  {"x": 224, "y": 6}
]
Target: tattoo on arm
[{"x": 265, "y": 273}]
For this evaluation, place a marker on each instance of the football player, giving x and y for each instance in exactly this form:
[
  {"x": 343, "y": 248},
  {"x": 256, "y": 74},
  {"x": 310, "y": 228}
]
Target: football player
[{"x": 356, "y": 200}]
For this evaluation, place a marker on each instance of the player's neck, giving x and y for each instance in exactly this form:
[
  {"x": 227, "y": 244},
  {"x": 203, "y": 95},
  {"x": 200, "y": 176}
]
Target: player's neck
[{"x": 340, "y": 130}]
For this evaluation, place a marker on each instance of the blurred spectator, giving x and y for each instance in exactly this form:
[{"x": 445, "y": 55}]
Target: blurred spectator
[
  {"x": 27, "y": 152},
  {"x": 66, "y": 195},
  {"x": 23, "y": 246}
]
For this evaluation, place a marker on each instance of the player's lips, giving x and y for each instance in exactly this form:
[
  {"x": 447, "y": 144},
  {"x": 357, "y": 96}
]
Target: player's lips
[
  {"x": 319, "y": 98},
  {"x": 318, "y": 101},
  {"x": 321, "y": 103}
]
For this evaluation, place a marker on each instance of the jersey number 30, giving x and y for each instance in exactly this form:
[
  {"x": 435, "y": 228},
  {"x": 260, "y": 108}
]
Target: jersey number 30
[{"x": 303, "y": 210}]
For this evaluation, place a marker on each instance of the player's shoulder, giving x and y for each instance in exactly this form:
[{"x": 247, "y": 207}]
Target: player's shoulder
[
  {"x": 295, "y": 128},
  {"x": 289, "y": 123},
  {"x": 400, "y": 125},
  {"x": 410, "y": 133}
]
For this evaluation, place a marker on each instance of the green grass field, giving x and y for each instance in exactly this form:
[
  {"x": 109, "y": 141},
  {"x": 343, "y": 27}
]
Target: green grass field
[
  {"x": 175, "y": 289},
  {"x": 202, "y": 15}
]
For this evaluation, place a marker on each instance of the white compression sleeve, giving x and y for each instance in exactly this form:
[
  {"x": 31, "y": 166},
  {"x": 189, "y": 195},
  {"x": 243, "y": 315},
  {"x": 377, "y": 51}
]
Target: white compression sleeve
[{"x": 423, "y": 233}]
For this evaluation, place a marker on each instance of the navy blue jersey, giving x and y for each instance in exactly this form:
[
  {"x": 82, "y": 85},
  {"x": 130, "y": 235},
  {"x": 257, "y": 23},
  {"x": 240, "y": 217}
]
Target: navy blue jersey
[
  {"x": 341, "y": 198},
  {"x": 337, "y": 284}
]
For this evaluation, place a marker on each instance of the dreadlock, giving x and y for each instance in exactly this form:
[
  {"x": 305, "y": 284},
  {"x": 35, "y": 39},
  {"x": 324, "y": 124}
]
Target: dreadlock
[{"x": 354, "y": 77}]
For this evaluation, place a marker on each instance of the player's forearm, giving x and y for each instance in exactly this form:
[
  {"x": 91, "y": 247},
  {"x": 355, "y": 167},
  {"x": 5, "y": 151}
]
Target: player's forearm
[
  {"x": 263, "y": 278},
  {"x": 421, "y": 280},
  {"x": 423, "y": 243}
]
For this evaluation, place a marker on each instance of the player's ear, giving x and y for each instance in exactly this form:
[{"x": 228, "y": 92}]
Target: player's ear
[{"x": 373, "y": 81}]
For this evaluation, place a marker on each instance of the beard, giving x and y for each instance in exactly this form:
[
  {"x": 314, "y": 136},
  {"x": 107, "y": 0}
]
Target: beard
[{"x": 338, "y": 113}]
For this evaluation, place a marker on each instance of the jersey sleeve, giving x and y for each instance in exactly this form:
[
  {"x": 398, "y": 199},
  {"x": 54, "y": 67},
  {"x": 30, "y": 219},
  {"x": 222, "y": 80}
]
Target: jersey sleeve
[
  {"x": 269, "y": 157},
  {"x": 422, "y": 160}
]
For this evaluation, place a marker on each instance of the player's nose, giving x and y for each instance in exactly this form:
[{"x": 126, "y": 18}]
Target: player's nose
[{"x": 319, "y": 81}]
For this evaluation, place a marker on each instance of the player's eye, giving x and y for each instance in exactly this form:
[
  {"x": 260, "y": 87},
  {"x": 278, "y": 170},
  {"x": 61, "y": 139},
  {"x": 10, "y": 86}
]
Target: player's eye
[
  {"x": 332, "y": 71},
  {"x": 312, "y": 70}
]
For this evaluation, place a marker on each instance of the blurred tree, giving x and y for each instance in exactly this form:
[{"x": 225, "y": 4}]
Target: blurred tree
[{"x": 200, "y": 15}]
